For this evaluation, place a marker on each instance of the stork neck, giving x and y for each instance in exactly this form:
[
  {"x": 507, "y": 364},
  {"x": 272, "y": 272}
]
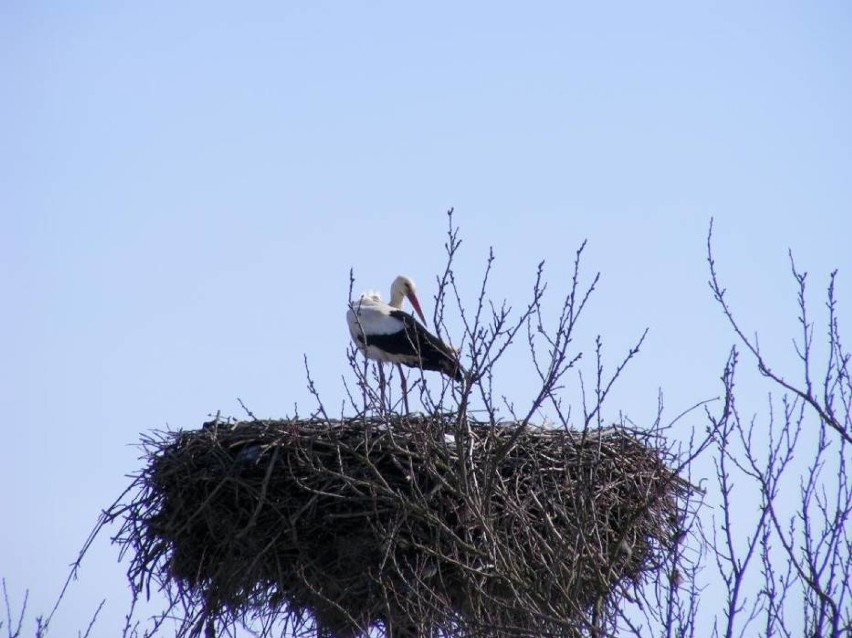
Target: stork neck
[{"x": 397, "y": 298}]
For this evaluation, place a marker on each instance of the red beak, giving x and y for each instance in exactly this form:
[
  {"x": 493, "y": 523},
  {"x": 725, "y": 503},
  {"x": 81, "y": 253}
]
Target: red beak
[{"x": 414, "y": 302}]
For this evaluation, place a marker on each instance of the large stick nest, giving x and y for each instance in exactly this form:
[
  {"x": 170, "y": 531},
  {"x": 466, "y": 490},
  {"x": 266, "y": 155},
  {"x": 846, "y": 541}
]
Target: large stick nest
[{"x": 396, "y": 526}]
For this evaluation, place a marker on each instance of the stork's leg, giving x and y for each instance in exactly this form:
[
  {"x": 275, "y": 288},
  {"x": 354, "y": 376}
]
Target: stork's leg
[
  {"x": 381, "y": 383},
  {"x": 404, "y": 385}
]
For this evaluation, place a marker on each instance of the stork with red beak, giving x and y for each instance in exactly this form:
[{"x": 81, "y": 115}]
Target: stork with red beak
[{"x": 384, "y": 332}]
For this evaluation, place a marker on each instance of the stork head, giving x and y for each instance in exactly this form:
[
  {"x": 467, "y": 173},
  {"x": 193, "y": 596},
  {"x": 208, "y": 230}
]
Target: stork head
[{"x": 401, "y": 288}]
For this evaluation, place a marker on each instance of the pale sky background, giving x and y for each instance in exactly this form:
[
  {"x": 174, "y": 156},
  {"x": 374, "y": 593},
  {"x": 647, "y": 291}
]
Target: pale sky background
[{"x": 185, "y": 186}]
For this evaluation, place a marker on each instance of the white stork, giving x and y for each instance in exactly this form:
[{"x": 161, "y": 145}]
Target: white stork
[{"x": 384, "y": 332}]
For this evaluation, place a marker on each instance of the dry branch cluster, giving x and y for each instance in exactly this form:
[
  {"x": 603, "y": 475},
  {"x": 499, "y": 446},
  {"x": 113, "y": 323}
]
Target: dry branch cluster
[
  {"x": 398, "y": 526},
  {"x": 441, "y": 525}
]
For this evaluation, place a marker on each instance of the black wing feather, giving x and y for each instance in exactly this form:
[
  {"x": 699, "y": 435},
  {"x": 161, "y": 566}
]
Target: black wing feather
[{"x": 429, "y": 352}]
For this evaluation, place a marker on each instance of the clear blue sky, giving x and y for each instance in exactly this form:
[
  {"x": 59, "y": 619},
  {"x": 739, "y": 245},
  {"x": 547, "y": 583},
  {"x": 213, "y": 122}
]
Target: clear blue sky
[{"x": 184, "y": 188}]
